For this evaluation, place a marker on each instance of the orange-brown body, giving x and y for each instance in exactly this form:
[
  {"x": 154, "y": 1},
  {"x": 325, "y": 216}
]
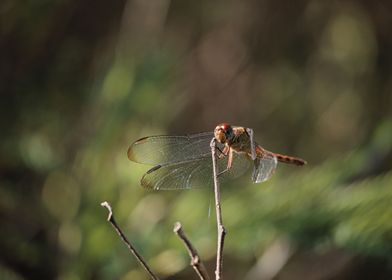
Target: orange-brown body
[{"x": 239, "y": 139}]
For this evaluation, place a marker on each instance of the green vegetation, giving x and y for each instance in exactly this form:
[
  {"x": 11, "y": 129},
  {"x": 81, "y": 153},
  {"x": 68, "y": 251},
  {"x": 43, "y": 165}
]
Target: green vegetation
[{"x": 81, "y": 80}]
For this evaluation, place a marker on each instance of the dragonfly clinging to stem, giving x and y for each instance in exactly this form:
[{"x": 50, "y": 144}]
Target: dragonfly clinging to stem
[{"x": 184, "y": 162}]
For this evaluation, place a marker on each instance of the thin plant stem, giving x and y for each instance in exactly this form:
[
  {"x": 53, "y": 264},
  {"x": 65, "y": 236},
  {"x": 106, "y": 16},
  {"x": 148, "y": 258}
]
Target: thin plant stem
[
  {"x": 219, "y": 222},
  {"x": 132, "y": 249},
  {"x": 196, "y": 262}
]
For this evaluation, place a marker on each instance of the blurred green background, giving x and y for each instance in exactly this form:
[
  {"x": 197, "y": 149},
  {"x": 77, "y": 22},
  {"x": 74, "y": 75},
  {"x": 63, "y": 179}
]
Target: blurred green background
[{"x": 81, "y": 80}]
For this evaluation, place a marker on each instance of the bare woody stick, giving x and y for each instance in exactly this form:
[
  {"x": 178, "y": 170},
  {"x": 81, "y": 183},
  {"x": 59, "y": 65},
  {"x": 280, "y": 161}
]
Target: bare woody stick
[
  {"x": 196, "y": 262},
  {"x": 112, "y": 221},
  {"x": 221, "y": 228}
]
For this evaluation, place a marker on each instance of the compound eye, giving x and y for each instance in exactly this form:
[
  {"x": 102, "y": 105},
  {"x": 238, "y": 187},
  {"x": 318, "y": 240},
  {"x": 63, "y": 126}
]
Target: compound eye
[{"x": 225, "y": 127}]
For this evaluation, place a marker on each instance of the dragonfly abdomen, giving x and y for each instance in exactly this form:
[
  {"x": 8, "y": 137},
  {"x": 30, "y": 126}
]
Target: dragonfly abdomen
[
  {"x": 281, "y": 158},
  {"x": 289, "y": 160}
]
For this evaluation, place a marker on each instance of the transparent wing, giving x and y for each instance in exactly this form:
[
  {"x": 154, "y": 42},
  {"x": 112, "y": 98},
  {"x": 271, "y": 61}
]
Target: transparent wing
[
  {"x": 170, "y": 149},
  {"x": 195, "y": 173},
  {"x": 264, "y": 167}
]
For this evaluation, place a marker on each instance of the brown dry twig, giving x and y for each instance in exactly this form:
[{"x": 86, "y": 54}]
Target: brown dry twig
[
  {"x": 132, "y": 249},
  {"x": 196, "y": 262},
  {"x": 221, "y": 228}
]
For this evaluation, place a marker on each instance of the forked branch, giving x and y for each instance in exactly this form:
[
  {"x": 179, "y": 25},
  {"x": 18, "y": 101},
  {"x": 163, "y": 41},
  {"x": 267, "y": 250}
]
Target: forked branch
[
  {"x": 196, "y": 262},
  {"x": 132, "y": 249}
]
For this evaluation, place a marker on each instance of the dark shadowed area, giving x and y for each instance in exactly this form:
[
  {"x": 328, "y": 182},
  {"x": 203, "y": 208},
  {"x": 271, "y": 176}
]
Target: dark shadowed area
[{"x": 81, "y": 80}]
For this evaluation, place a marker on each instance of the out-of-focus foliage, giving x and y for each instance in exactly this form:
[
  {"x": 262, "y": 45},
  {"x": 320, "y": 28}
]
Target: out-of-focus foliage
[{"x": 81, "y": 80}]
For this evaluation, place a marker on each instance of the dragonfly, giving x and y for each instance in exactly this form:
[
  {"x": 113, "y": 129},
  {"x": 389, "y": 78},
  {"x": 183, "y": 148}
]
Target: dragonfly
[{"x": 185, "y": 162}]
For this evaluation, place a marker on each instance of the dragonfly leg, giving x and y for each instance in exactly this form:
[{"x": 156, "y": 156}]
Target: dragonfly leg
[
  {"x": 229, "y": 161},
  {"x": 255, "y": 169},
  {"x": 252, "y": 143},
  {"x": 223, "y": 153}
]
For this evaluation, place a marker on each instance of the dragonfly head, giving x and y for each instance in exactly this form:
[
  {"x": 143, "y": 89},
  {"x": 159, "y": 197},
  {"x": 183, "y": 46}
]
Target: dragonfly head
[{"x": 223, "y": 133}]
